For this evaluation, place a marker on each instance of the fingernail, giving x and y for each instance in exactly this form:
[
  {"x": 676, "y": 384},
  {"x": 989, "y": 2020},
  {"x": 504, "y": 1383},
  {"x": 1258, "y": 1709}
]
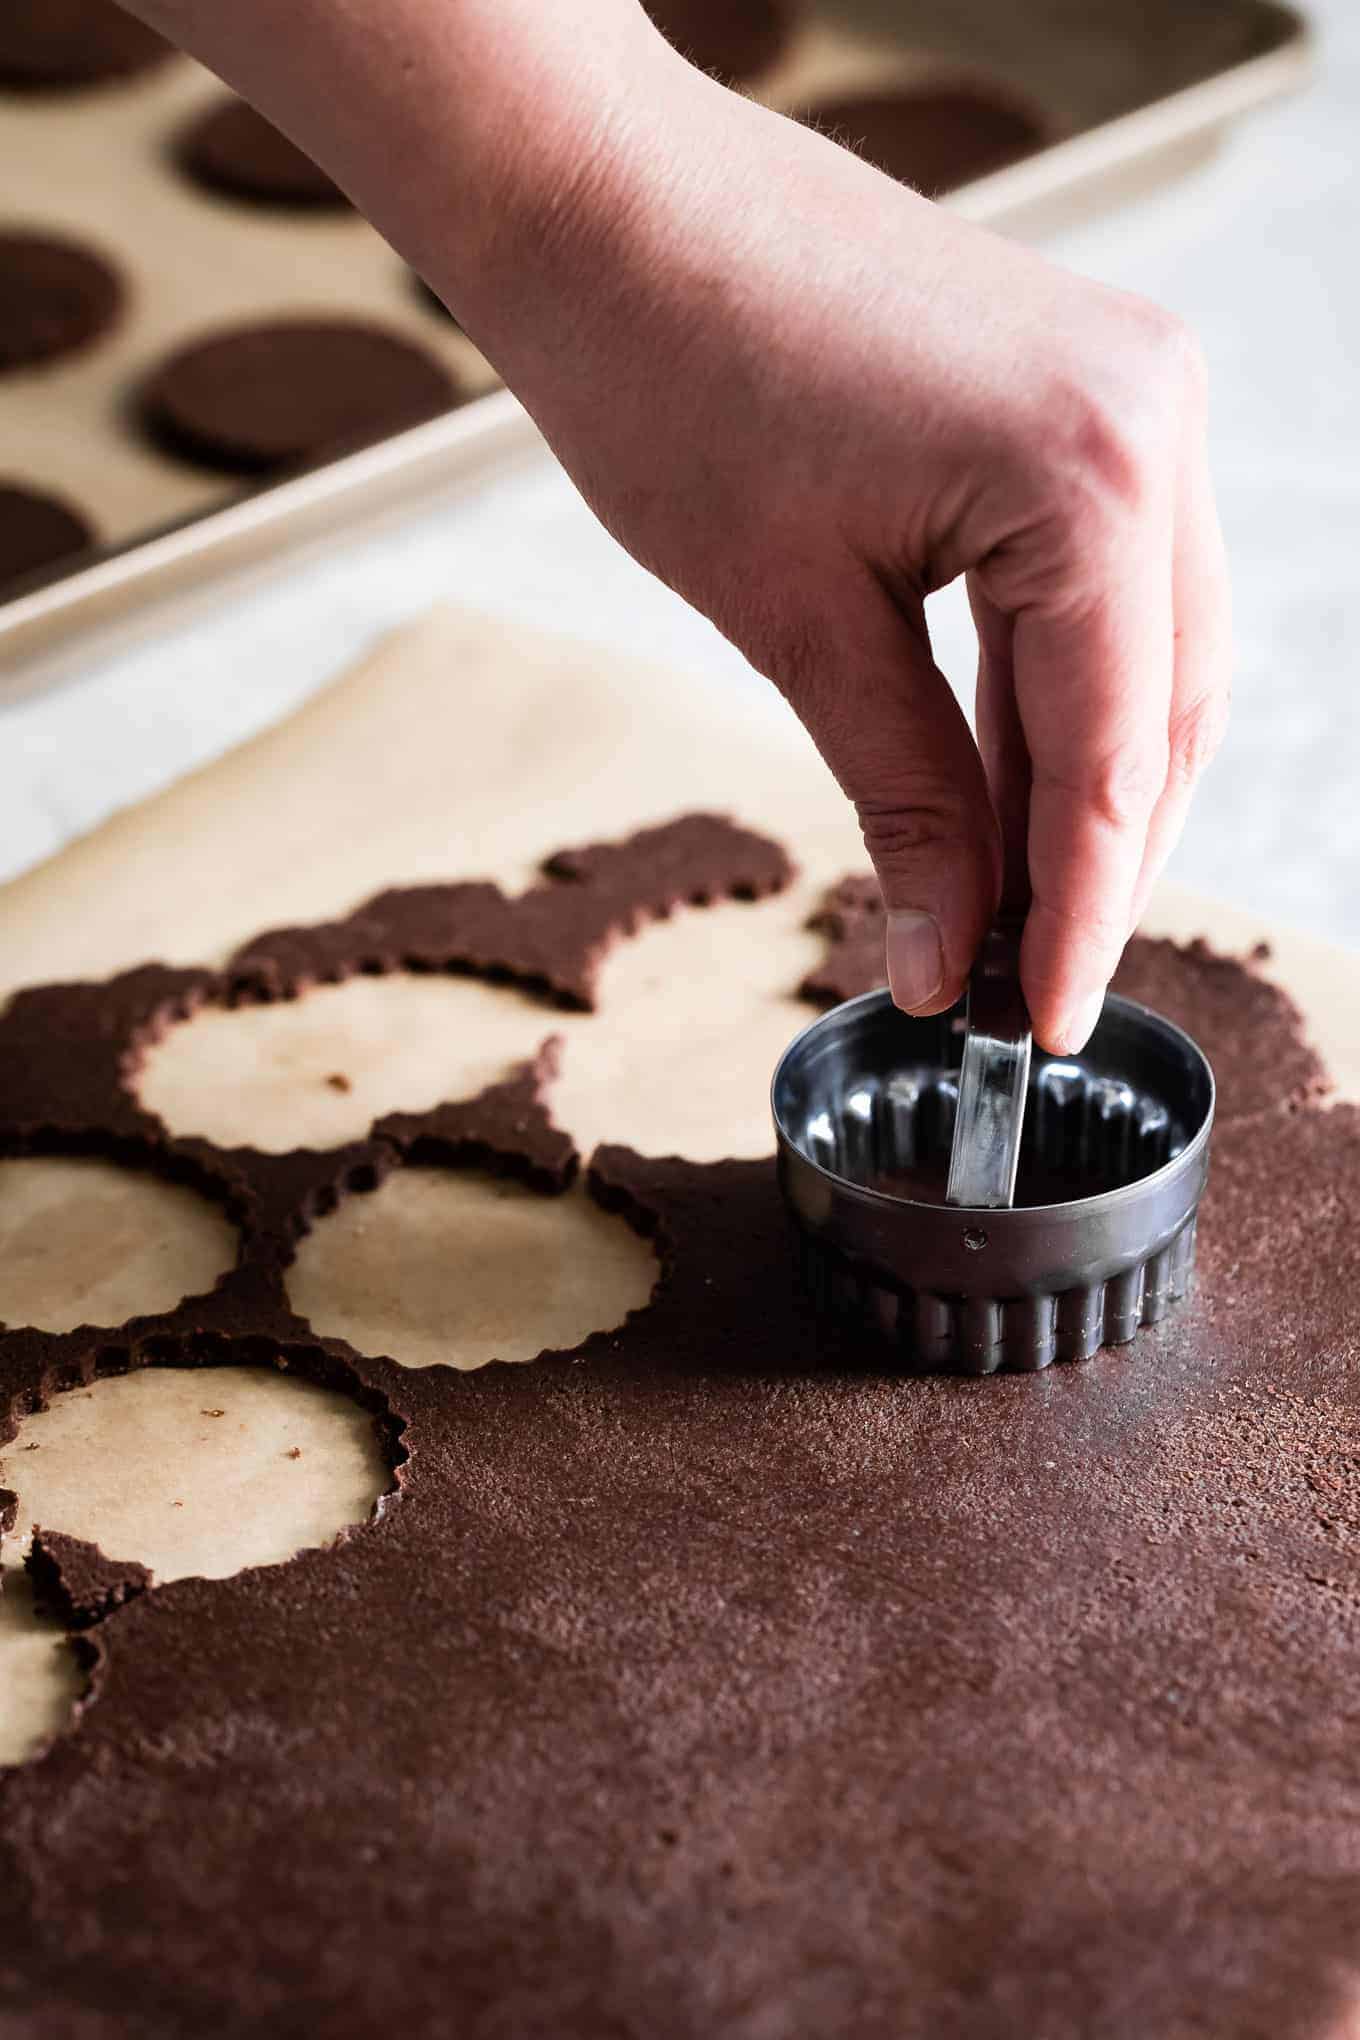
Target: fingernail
[
  {"x": 1080, "y": 1024},
  {"x": 915, "y": 959}
]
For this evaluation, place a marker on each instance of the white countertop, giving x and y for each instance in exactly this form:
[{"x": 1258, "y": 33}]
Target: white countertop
[{"x": 1258, "y": 251}]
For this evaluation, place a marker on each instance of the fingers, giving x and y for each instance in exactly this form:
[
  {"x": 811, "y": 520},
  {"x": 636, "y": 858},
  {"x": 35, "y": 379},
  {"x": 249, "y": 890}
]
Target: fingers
[
  {"x": 1111, "y": 678},
  {"x": 884, "y": 718},
  {"x": 1202, "y": 673},
  {"x": 1092, "y": 674}
]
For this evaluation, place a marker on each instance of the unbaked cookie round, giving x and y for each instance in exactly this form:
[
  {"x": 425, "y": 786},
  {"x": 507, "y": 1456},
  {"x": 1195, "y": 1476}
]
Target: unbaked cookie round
[
  {"x": 48, "y": 44},
  {"x": 234, "y": 149},
  {"x": 736, "y": 39},
  {"x": 36, "y": 530},
  {"x": 253, "y": 398},
  {"x": 933, "y": 138},
  {"x": 55, "y": 296}
]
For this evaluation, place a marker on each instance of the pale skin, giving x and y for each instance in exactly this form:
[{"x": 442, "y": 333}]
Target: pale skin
[{"x": 805, "y": 397}]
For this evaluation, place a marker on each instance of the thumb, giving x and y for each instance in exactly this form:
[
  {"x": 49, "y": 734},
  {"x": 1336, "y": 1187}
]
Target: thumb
[{"x": 886, "y": 721}]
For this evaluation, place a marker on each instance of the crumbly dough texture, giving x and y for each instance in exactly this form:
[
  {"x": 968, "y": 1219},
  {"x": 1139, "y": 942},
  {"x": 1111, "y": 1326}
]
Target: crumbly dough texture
[
  {"x": 75, "y": 1581},
  {"x": 713, "y": 1678}
]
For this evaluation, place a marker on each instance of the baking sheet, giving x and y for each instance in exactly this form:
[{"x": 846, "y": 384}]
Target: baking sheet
[
  {"x": 1127, "y": 87},
  {"x": 462, "y": 747}
]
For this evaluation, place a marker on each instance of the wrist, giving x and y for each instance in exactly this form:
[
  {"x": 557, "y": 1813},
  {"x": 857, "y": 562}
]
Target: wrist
[{"x": 565, "y": 167}]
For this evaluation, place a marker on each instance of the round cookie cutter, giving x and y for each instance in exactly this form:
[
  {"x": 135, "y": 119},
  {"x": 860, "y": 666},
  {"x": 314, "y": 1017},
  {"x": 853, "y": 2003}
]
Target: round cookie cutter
[{"x": 864, "y": 1103}]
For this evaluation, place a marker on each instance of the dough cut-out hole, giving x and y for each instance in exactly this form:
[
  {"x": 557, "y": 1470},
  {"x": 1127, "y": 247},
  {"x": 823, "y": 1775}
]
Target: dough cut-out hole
[
  {"x": 197, "y": 1470},
  {"x": 200, "y": 1470},
  {"x": 87, "y": 1242},
  {"x": 694, "y": 1014},
  {"x": 439, "y": 1266},
  {"x": 316, "y": 1071}
]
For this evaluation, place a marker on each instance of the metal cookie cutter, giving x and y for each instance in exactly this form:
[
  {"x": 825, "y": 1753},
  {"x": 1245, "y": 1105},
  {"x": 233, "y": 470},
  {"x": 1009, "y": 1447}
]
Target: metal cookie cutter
[{"x": 1101, "y": 1238}]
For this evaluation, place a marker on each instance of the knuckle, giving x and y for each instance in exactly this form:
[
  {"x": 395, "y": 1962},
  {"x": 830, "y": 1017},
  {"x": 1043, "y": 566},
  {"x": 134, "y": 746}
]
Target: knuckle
[
  {"x": 1122, "y": 788},
  {"x": 904, "y": 832},
  {"x": 1103, "y": 469},
  {"x": 1168, "y": 358},
  {"x": 1098, "y": 474},
  {"x": 1113, "y": 423},
  {"x": 1197, "y": 731},
  {"x": 1100, "y": 938},
  {"x": 1126, "y": 787},
  {"x": 793, "y": 648}
]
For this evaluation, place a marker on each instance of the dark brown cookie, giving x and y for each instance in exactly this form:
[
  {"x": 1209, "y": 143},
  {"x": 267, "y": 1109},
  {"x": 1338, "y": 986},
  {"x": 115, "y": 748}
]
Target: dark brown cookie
[
  {"x": 933, "y": 139},
  {"x": 48, "y": 44},
  {"x": 253, "y": 398},
  {"x": 735, "y": 39},
  {"x": 55, "y": 296},
  {"x": 36, "y": 531},
  {"x": 234, "y": 149}
]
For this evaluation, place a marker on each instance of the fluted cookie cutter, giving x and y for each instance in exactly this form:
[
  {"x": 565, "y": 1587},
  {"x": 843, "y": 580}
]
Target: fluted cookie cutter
[{"x": 1100, "y": 1240}]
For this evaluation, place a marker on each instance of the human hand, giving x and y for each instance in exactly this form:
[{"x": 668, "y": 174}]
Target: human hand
[{"x": 805, "y": 398}]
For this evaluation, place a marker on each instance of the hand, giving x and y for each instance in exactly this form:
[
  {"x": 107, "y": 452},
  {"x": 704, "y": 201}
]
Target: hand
[{"x": 805, "y": 397}]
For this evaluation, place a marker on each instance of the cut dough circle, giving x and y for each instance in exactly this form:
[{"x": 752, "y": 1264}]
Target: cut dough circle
[
  {"x": 87, "y": 1242},
  {"x": 442, "y": 1267}
]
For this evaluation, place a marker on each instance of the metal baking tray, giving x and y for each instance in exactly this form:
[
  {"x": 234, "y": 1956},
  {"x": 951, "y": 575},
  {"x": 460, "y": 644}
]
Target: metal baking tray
[{"x": 1134, "y": 91}]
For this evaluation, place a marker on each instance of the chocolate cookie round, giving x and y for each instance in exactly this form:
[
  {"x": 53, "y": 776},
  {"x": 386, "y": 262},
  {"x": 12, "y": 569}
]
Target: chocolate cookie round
[
  {"x": 233, "y": 149},
  {"x": 36, "y": 531},
  {"x": 933, "y": 139},
  {"x": 55, "y": 296},
  {"x": 736, "y": 39},
  {"x": 253, "y": 398},
  {"x": 48, "y": 44}
]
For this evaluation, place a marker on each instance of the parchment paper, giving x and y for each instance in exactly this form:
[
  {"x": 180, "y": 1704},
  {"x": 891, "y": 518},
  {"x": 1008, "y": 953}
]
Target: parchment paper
[{"x": 461, "y": 748}]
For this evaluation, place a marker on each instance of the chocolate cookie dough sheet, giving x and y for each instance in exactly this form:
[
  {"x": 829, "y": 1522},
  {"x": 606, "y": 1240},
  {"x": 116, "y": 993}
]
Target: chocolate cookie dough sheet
[{"x": 464, "y": 749}]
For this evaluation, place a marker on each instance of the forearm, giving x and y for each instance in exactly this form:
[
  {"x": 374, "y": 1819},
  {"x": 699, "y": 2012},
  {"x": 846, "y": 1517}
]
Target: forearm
[{"x": 484, "y": 138}]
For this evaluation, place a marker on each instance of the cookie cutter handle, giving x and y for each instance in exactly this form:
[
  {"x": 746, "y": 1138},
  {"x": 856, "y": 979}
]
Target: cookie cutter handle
[{"x": 988, "y": 1125}]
